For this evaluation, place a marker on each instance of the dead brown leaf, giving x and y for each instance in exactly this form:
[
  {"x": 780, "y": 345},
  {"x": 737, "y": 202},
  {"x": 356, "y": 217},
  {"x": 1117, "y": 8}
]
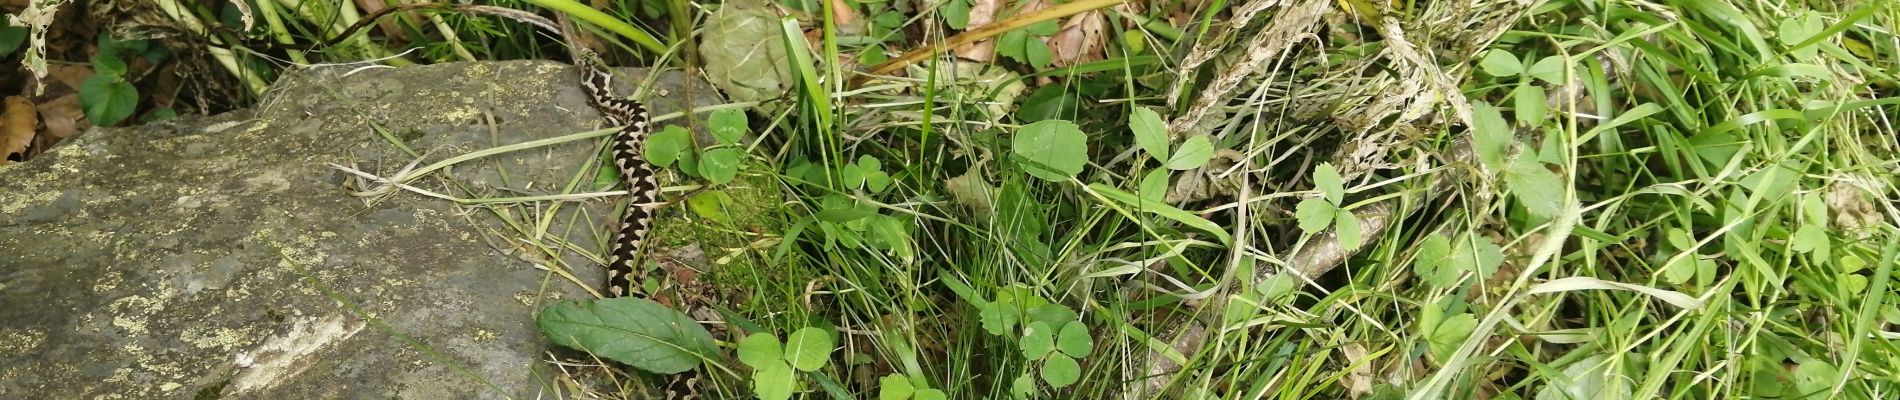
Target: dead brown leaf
[
  {"x": 62, "y": 117},
  {"x": 845, "y": 18},
  {"x": 16, "y": 128},
  {"x": 1079, "y": 41},
  {"x": 982, "y": 12}
]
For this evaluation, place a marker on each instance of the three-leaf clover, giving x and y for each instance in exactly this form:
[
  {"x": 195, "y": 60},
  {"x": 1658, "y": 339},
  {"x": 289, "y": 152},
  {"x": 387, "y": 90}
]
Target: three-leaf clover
[
  {"x": 774, "y": 364},
  {"x": 1315, "y": 214}
]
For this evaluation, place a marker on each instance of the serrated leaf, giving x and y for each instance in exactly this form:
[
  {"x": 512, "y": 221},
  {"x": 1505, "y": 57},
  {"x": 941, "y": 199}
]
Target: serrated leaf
[
  {"x": 774, "y": 382},
  {"x": 1150, "y": 132},
  {"x": 1194, "y": 152},
  {"x": 1448, "y": 335},
  {"x": 894, "y": 387},
  {"x": 1044, "y": 28},
  {"x": 1073, "y": 339},
  {"x": 721, "y": 165},
  {"x": 1314, "y": 215},
  {"x": 636, "y": 332},
  {"x": 1809, "y": 237},
  {"x": 760, "y": 350},
  {"x": 1346, "y": 228},
  {"x": 1327, "y": 180},
  {"x": 1541, "y": 191},
  {"x": 1477, "y": 255},
  {"x": 107, "y": 99},
  {"x": 1433, "y": 260},
  {"x": 1501, "y": 63},
  {"x": 1038, "y": 340},
  {"x": 1061, "y": 371},
  {"x": 728, "y": 126},
  {"x": 1490, "y": 136},
  {"x": 1053, "y": 150},
  {"x": 665, "y": 146},
  {"x": 1037, "y": 53},
  {"x": 808, "y": 349}
]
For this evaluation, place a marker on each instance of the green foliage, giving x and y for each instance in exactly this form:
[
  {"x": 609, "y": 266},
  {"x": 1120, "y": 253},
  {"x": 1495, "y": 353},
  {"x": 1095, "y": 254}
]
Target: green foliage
[
  {"x": 1053, "y": 150},
  {"x": 632, "y": 331},
  {"x": 11, "y": 37},
  {"x": 774, "y": 365},
  {"x": 107, "y": 97}
]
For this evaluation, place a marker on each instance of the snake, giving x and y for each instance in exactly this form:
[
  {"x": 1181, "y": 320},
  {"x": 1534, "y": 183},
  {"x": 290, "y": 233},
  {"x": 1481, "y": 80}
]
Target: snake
[{"x": 643, "y": 190}]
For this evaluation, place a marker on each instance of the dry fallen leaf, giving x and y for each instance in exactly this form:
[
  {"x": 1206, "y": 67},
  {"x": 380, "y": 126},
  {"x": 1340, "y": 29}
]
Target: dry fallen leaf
[
  {"x": 62, "y": 116},
  {"x": 982, "y": 12},
  {"x": 1079, "y": 41},
  {"x": 846, "y": 18},
  {"x": 16, "y": 128}
]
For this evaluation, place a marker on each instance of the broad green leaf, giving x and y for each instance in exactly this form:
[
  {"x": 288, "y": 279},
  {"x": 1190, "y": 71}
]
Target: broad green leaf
[
  {"x": 1500, "y": 63},
  {"x": 1433, "y": 262},
  {"x": 1038, "y": 340},
  {"x": 1541, "y": 191},
  {"x": 1490, "y": 136},
  {"x": 1450, "y": 334},
  {"x": 869, "y": 163},
  {"x": 1053, "y": 150},
  {"x": 10, "y": 39},
  {"x": 1037, "y": 53},
  {"x": 1809, "y": 237},
  {"x": 1680, "y": 268},
  {"x": 853, "y": 176},
  {"x": 1814, "y": 378},
  {"x": 760, "y": 350},
  {"x": 1194, "y": 153},
  {"x": 107, "y": 99},
  {"x": 1023, "y": 386},
  {"x": 774, "y": 382},
  {"x": 894, "y": 387},
  {"x": 1044, "y": 28},
  {"x": 1314, "y": 215},
  {"x": 108, "y": 64},
  {"x": 1549, "y": 69},
  {"x": 956, "y": 14},
  {"x": 666, "y": 145},
  {"x": 808, "y": 349},
  {"x": 1587, "y": 379},
  {"x": 1346, "y": 228},
  {"x": 637, "y": 332},
  {"x": 1279, "y": 287},
  {"x": 711, "y": 205},
  {"x": 1531, "y": 105},
  {"x": 1073, "y": 339},
  {"x": 721, "y": 165},
  {"x": 1327, "y": 180},
  {"x": 1154, "y": 186},
  {"x": 1055, "y": 315},
  {"x": 1060, "y": 370},
  {"x": 1800, "y": 28},
  {"x": 1000, "y": 317},
  {"x": 728, "y": 126},
  {"x": 1047, "y": 103},
  {"x": 1477, "y": 255},
  {"x": 932, "y": 394},
  {"x": 1151, "y": 133},
  {"x": 1163, "y": 210},
  {"x": 877, "y": 181}
]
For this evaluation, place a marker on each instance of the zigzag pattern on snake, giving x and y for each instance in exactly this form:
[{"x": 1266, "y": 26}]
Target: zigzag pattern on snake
[{"x": 642, "y": 188}]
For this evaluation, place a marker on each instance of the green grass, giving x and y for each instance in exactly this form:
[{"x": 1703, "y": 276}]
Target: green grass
[{"x": 1610, "y": 199}]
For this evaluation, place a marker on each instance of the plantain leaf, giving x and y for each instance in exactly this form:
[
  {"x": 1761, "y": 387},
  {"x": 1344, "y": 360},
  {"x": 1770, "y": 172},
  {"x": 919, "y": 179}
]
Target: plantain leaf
[{"x": 637, "y": 332}]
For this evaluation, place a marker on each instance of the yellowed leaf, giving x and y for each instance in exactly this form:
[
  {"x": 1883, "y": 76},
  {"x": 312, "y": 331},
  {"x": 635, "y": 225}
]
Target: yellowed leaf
[{"x": 17, "y": 128}]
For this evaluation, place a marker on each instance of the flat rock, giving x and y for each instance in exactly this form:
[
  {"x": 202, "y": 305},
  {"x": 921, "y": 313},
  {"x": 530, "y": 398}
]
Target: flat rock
[{"x": 223, "y": 257}]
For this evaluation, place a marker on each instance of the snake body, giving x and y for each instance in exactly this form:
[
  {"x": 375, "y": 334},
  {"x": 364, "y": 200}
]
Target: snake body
[{"x": 643, "y": 189}]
